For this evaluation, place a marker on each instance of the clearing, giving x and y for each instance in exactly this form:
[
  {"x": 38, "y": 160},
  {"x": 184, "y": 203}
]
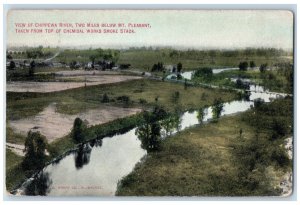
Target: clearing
[{"x": 54, "y": 125}]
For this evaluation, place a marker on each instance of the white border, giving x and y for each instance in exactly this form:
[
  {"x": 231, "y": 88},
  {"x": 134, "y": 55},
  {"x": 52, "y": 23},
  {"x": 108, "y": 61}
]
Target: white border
[{"x": 70, "y": 3}]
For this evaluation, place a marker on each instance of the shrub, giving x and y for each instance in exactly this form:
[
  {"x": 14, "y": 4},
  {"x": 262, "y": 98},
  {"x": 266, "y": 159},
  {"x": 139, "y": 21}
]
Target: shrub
[
  {"x": 78, "y": 132},
  {"x": 35, "y": 146},
  {"x": 105, "y": 98}
]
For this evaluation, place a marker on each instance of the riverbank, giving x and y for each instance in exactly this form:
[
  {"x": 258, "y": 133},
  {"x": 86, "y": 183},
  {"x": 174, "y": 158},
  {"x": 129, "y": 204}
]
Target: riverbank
[
  {"x": 62, "y": 145},
  {"x": 132, "y": 94},
  {"x": 230, "y": 158}
]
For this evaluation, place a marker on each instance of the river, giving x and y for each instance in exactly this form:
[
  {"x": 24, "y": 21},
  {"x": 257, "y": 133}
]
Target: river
[{"x": 96, "y": 168}]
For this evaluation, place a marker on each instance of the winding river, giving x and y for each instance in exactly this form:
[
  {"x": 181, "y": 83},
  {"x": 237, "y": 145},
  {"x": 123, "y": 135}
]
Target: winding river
[{"x": 96, "y": 167}]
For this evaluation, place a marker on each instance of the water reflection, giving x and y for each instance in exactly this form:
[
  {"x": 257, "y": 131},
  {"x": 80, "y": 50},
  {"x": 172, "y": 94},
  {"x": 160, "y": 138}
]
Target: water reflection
[
  {"x": 40, "y": 185},
  {"x": 103, "y": 167},
  {"x": 82, "y": 155}
]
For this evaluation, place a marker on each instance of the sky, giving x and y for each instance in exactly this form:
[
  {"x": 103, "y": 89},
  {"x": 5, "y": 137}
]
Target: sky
[{"x": 195, "y": 29}]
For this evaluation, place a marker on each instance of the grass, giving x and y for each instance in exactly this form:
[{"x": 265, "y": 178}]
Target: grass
[
  {"x": 14, "y": 172},
  {"x": 187, "y": 163},
  {"x": 145, "y": 59},
  {"x": 13, "y": 137},
  {"x": 142, "y": 93},
  {"x": 215, "y": 160}
]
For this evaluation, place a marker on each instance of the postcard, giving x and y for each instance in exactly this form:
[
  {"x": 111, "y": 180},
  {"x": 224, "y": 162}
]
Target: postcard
[{"x": 158, "y": 102}]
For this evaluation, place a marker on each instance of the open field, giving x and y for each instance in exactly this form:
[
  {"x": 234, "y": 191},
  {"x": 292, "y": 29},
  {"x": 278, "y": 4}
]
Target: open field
[
  {"x": 142, "y": 93},
  {"x": 191, "y": 60},
  {"x": 145, "y": 58},
  {"x": 14, "y": 172},
  {"x": 45, "y": 87},
  {"x": 55, "y": 125}
]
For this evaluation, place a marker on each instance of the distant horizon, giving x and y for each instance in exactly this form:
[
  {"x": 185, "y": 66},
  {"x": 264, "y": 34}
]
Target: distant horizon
[{"x": 149, "y": 48}]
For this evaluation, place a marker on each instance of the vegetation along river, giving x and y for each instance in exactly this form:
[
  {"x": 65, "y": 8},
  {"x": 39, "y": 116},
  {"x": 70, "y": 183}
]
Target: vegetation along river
[{"x": 97, "y": 166}]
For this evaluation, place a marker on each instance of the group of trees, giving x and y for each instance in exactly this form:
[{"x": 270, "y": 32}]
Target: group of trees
[
  {"x": 244, "y": 65},
  {"x": 103, "y": 56},
  {"x": 206, "y": 73},
  {"x": 157, "y": 67},
  {"x": 150, "y": 132},
  {"x": 38, "y": 52}
]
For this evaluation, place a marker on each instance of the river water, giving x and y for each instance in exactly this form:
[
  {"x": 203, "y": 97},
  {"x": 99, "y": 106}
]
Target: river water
[
  {"x": 189, "y": 74},
  {"x": 96, "y": 168}
]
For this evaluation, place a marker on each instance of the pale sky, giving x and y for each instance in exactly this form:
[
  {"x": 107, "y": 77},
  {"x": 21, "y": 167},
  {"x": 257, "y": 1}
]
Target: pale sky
[{"x": 200, "y": 29}]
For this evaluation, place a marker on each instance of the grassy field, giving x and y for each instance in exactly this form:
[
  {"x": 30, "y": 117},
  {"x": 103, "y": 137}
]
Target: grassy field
[
  {"x": 14, "y": 172},
  {"x": 214, "y": 160},
  {"x": 144, "y": 59},
  {"x": 13, "y": 137},
  {"x": 140, "y": 93}
]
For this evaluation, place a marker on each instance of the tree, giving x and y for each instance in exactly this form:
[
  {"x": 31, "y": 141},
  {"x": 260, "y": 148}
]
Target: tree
[
  {"x": 258, "y": 102},
  {"x": 12, "y": 65},
  {"x": 252, "y": 64},
  {"x": 263, "y": 68},
  {"x": 35, "y": 146},
  {"x": 93, "y": 58},
  {"x": 73, "y": 64},
  {"x": 78, "y": 131},
  {"x": 217, "y": 108},
  {"x": 31, "y": 69},
  {"x": 105, "y": 98},
  {"x": 171, "y": 123},
  {"x": 201, "y": 114},
  {"x": 149, "y": 132},
  {"x": 179, "y": 67},
  {"x": 205, "y": 73},
  {"x": 9, "y": 57},
  {"x": 243, "y": 66}
]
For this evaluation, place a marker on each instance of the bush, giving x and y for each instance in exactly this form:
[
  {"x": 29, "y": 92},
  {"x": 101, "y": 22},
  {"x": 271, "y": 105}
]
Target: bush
[
  {"x": 280, "y": 157},
  {"x": 142, "y": 101},
  {"x": 78, "y": 132},
  {"x": 204, "y": 73},
  {"x": 243, "y": 66},
  {"x": 35, "y": 146},
  {"x": 124, "y": 98},
  {"x": 217, "y": 108},
  {"x": 280, "y": 128},
  {"x": 252, "y": 64},
  {"x": 105, "y": 98}
]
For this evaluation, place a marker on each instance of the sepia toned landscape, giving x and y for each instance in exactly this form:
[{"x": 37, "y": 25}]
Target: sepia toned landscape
[{"x": 149, "y": 121}]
